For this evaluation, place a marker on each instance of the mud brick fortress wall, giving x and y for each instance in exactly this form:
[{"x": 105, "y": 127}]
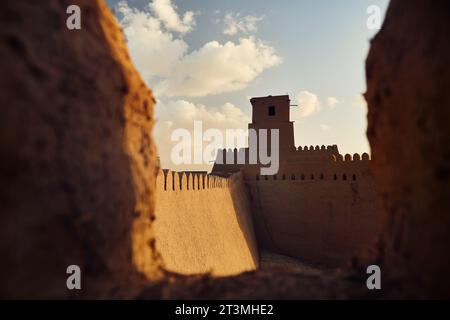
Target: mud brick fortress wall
[
  {"x": 321, "y": 213},
  {"x": 204, "y": 224},
  {"x": 319, "y": 207}
]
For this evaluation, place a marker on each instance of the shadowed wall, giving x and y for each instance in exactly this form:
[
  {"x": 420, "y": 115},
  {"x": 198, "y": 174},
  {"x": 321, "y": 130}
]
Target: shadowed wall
[
  {"x": 408, "y": 81},
  {"x": 319, "y": 210},
  {"x": 78, "y": 164}
]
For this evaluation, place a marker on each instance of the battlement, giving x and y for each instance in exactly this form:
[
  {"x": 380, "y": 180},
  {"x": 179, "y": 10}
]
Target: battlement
[
  {"x": 240, "y": 156},
  {"x": 338, "y": 168},
  {"x": 231, "y": 156},
  {"x": 168, "y": 180},
  {"x": 311, "y": 177},
  {"x": 349, "y": 158},
  {"x": 332, "y": 148}
]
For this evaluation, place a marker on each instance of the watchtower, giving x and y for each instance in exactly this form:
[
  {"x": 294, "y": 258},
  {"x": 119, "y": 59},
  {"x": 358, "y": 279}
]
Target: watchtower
[{"x": 272, "y": 112}]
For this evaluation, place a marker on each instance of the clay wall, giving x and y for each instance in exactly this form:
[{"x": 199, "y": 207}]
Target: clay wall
[
  {"x": 320, "y": 212},
  {"x": 203, "y": 224}
]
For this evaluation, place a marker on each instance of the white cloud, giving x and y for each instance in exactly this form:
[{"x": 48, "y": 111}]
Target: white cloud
[
  {"x": 217, "y": 68},
  {"x": 182, "y": 114},
  {"x": 234, "y": 23},
  {"x": 332, "y": 102},
  {"x": 170, "y": 69},
  {"x": 154, "y": 51},
  {"x": 165, "y": 11},
  {"x": 308, "y": 103},
  {"x": 325, "y": 127}
]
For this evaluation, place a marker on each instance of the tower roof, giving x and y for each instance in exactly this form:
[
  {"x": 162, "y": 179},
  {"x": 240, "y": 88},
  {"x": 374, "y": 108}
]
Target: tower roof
[{"x": 281, "y": 97}]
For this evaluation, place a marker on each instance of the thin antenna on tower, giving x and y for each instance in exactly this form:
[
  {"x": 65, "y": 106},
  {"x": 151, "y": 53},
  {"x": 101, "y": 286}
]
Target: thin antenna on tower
[{"x": 292, "y": 105}]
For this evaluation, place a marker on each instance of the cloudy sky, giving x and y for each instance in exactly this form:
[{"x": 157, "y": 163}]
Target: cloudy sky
[{"x": 204, "y": 59}]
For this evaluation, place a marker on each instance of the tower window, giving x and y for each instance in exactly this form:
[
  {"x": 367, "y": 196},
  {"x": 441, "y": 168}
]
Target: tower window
[{"x": 271, "y": 110}]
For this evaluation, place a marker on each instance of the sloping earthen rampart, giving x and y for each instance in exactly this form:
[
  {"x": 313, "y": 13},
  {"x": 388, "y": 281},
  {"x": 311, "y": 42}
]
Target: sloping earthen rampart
[{"x": 203, "y": 224}]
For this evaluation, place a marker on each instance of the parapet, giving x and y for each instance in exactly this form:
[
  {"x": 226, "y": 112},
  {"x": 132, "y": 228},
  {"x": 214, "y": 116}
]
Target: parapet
[
  {"x": 168, "y": 180},
  {"x": 350, "y": 158},
  {"x": 322, "y": 148},
  {"x": 339, "y": 168},
  {"x": 321, "y": 176},
  {"x": 232, "y": 156}
]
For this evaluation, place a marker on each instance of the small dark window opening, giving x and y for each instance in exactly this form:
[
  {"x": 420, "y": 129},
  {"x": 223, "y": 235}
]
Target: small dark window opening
[
  {"x": 293, "y": 177},
  {"x": 303, "y": 177},
  {"x": 271, "y": 110},
  {"x": 284, "y": 177},
  {"x": 275, "y": 177},
  {"x": 321, "y": 176},
  {"x": 257, "y": 177},
  {"x": 354, "y": 177},
  {"x": 335, "y": 177},
  {"x": 344, "y": 177},
  {"x": 312, "y": 177},
  {"x": 265, "y": 177}
]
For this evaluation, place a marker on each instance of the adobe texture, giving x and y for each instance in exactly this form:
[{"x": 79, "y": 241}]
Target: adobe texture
[
  {"x": 78, "y": 163},
  {"x": 204, "y": 224},
  {"x": 408, "y": 81}
]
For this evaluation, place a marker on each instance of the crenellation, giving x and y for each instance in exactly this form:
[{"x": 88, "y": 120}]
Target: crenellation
[
  {"x": 194, "y": 181},
  {"x": 165, "y": 172},
  {"x": 173, "y": 179},
  {"x": 168, "y": 180},
  {"x": 181, "y": 179},
  {"x": 188, "y": 179},
  {"x": 339, "y": 175},
  {"x": 365, "y": 156}
]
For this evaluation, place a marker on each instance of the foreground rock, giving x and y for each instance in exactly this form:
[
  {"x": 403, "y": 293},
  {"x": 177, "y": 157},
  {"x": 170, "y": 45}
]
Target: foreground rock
[
  {"x": 78, "y": 163},
  {"x": 408, "y": 81}
]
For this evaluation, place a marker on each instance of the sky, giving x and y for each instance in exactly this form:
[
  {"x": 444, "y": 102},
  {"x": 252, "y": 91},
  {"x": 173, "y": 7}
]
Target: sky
[{"x": 205, "y": 59}]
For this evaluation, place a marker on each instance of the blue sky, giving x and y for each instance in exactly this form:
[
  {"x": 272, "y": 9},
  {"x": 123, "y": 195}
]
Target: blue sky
[{"x": 314, "y": 50}]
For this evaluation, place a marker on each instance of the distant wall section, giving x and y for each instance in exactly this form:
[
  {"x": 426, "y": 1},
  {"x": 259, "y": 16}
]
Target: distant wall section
[{"x": 321, "y": 212}]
